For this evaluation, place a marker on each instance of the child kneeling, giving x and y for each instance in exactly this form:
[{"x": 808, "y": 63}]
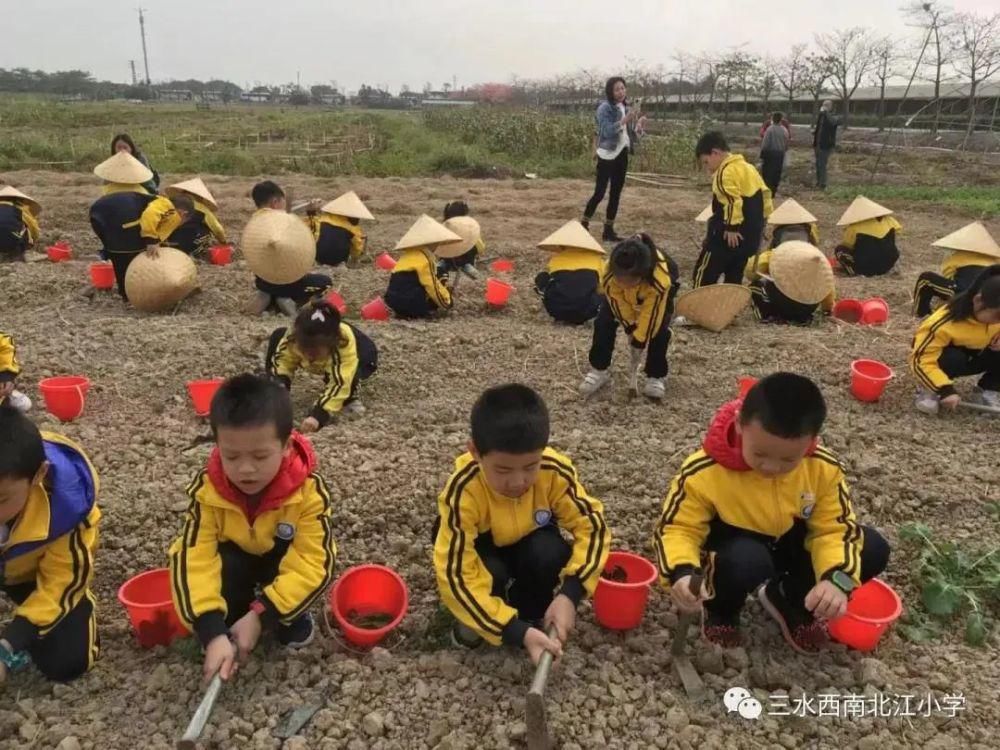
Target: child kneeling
[{"x": 764, "y": 503}]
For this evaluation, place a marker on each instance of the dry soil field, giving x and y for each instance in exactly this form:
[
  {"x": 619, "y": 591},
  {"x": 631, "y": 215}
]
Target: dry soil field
[{"x": 387, "y": 467}]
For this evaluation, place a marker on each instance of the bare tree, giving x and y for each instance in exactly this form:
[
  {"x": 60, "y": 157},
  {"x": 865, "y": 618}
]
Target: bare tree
[
  {"x": 684, "y": 67},
  {"x": 977, "y": 54},
  {"x": 937, "y": 21},
  {"x": 711, "y": 66},
  {"x": 766, "y": 83},
  {"x": 815, "y": 75},
  {"x": 887, "y": 59},
  {"x": 748, "y": 68},
  {"x": 789, "y": 70},
  {"x": 850, "y": 52}
]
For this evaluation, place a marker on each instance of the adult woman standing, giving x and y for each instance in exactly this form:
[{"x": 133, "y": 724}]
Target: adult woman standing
[
  {"x": 124, "y": 142},
  {"x": 619, "y": 127}
]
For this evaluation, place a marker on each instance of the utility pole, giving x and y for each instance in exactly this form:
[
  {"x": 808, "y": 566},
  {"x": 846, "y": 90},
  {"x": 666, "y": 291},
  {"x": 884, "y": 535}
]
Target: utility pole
[
  {"x": 132, "y": 63},
  {"x": 145, "y": 55}
]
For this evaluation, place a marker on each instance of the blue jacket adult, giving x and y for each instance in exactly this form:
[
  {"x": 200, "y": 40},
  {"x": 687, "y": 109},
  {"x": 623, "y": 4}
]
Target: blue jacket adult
[{"x": 609, "y": 127}]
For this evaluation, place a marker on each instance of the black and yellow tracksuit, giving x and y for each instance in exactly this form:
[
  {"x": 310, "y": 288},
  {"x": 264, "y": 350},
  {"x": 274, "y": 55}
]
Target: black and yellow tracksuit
[
  {"x": 414, "y": 290},
  {"x": 644, "y": 311},
  {"x": 499, "y": 559},
  {"x": 945, "y": 348},
  {"x": 468, "y": 258},
  {"x": 10, "y": 368},
  {"x": 868, "y": 247},
  {"x": 770, "y": 305},
  {"x": 958, "y": 271},
  {"x": 47, "y": 565},
  {"x": 19, "y": 229},
  {"x": 355, "y": 359},
  {"x": 230, "y": 545},
  {"x": 199, "y": 232},
  {"x": 570, "y": 287},
  {"x": 741, "y": 202},
  {"x": 338, "y": 239}
]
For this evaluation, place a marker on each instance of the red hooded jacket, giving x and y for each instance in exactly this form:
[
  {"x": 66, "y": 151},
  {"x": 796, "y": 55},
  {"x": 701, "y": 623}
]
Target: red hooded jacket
[{"x": 722, "y": 441}]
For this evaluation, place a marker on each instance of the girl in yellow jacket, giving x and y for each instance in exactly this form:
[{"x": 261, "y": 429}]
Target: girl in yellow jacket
[
  {"x": 972, "y": 249},
  {"x": 10, "y": 368},
  {"x": 868, "y": 247},
  {"x": 202, "y": 227},
  {"x": 321, "y": 344},
  {"x": 19, "y": 228},
  {"x": 639, "y": 284},
  {"x": 336, "y": 228},
  {"x": 414, "y": 290},
  {"x": 569, "y": 288},
  {"x": 962, "y": 338}
]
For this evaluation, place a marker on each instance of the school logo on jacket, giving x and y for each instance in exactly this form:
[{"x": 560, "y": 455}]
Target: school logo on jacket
[
  {"x": 543, "y": 517},
  {"x": 285, "y": 531},
  {"x": 808, "y": 502}
]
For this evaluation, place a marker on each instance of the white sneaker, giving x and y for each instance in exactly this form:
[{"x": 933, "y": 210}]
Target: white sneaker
[
  {"x": 354, "y": 407},
  {"x": 655, "y": 388},
  {"x": 680, "y": 321},
  {"x": 593, "y": 381},
  {"x": 470, "y": 270},
  {"x": 287, "y": 306},
  {"x": 989, "y": 398},
  {"x": 19, "y": 401},
  {"x": 260, "y": 302},
  {"x": 927, "y": 402}
]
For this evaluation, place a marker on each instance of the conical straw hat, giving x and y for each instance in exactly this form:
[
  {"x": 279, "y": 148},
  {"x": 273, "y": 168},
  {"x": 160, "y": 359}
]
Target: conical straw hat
[
  {"x": 862, "y": 209},
  {"x": 195, "y": 188},
  {"x": 348, "y": 205},
  {"x": 157, "y": 284},
  {"x": 704, "y": 215},
  {"x": 465, "y": 227},
  {"x": 715, "y": 306},
  {"x": 801, "y": 272},
  {"x": 278, "y": 246},
  {"x": 124, "y": 168},
  {"x": 972, "y": 238},
  {"x": 7, "y": 191},
  {"x": 573, "y": 235},
  {"x": 426, "y": 233},
  {"x": 791, "y": 212}
]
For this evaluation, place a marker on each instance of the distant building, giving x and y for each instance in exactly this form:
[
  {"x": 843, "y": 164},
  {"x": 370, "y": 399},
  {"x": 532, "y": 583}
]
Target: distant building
[{"x": 175, "y": 95}]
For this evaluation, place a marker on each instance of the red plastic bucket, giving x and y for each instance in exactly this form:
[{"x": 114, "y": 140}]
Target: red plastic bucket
[
  {"x": 102, "y": 275},
  {"x": 744, "y": 385},
  {"x": 833, "y": 263},
  {"x": 848, "y": 310},
  {"x": 65, "y": 396},
  {"x": 873, "y": 608},
  {"x": 385, "y": 262},
  {"x": 150, "y": 608},
  {"x": 620, "y": 605},
  {"x": 874, "y": 311},
  {"x": 202, "y": 392},
  {"x": 59, "y": 252},
  {"x": 502, "y": 266},
  {"x": 375, "y": 310},
  {"x": 366, "y": 591},
  {"x": 869, "y": 379},
  {"x": 337, "y": 301},
  {"x": 220, "y": 255},
  {"x": 498, "y": 292}
]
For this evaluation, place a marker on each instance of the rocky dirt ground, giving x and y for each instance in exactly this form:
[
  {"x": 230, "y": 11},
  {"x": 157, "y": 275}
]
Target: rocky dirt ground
[{"x": 386, "y": 468}]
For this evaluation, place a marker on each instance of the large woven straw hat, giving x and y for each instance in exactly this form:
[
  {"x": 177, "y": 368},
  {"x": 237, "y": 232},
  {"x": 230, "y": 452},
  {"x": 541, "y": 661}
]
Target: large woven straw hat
[
  {"x": 704, "y": 215},
  {"x": 972, "y": 238},
  {"x": 195, "y": 188},
  {"x": 124, "y": 168},
  {"x": 278, "y": 246},
  {"x": 862, "y": 209},
  {"x": 801, "y": 272},
  {"x": 715, "y": 306},
  {"x": 12, "y": 192},
  {"x": 465, "y": 227},
  {"x": 157, "y": 284},
  {"x": 426, "y": 233},
  {"x": 790, "y": 212},
  {"x": 348, "y": 205},
  {"x": 572, "y": 235}
]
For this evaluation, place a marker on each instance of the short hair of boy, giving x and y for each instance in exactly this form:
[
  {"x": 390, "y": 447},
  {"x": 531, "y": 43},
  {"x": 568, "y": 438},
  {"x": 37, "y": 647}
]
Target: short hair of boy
[
  {"x": 183, "y": 203},
  {"x": 265, "y": 192},
  {"x": 709, "y": 142},
  {"x": 456, "y": 208},
  {"x": 252, "y": 401},
  {"x": 23, "y": 451},
  {"x": 777, "y": 117},
  {"x": 786, "y": 405},
  {"x": 510, "y": 418}
]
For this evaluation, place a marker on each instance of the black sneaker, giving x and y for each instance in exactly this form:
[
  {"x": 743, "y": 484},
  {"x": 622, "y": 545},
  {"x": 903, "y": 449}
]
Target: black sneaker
[
  {"x": 299, "y": 634},
  {"x": 463, "y": 636},
  {"x": 803, "y": 632},
  {"x": 609, "y": 234},
  {"x": 722, "y": 630}
]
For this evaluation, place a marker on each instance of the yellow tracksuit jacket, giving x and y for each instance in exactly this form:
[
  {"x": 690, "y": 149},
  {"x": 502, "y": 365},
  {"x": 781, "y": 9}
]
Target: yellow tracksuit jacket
[
  {"x": 963, "y": 259},
  {"x": 358, "y": 238},
  {"x": 740, "y": 195},
  {"x": 939, "y": 331},
  {"x": 28, "y": 218},
  {"x": 468, "y": 508},
  {"x": 640, "y": 309},
  {"x": 212, "y": 222},
  {"x": 338, "y": 370},
  {"x": 123, "y": 187},
  {"x": 572, "y": 259},
  {"x": 877, "y": 228},
  {"x": 764, "y": 264},
  {"x": 158, "y": 220},
  {"x": 10, "y": 368},
  {"x": 418, "y": 266}
]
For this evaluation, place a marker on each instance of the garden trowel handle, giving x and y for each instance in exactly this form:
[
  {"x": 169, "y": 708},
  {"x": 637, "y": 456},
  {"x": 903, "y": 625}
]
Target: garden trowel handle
[
  {"x": 544, "y": 666},
  {"x": 686, "y": 619}
]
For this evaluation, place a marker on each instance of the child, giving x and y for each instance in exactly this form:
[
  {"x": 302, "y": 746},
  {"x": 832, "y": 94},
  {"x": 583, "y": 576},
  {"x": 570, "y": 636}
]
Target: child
[
  {"x": 499, "y": 550},
  {"x": 470, "y": 235},
  {"x": 414, "y": 289},
  {"x": 639, "y": 284},
  {"x": 128, "y": 220},
  {"x": 868, "y": 247},
  {"x": 257, "y": 547},
  {"x": 961, "y": 338},
  {"x": 569, "y": 288},
  {"x": 19, "y": 228},
  {"x": 10, "y": 368},
  {"x": 792, "y": 222},
  {"x": 791, "y": 283},
  {"x": 323, "y": 345},
  {"x": 466, "y": 262},
  {"x": 288, "y": 298},
  {"x": 48, "y": 523},
  {"x": 973, "y": 249},
  {"x": 741, "y": 203},
  {"x": 202, "y": 227},
  {"x": 339, "y": 239},
  {"x": 763, "y": 503}
]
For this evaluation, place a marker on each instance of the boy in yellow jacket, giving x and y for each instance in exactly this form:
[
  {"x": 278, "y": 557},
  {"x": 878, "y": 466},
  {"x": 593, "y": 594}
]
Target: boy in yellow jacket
[
  {"x": 259, "y": 519},
  {"x": 19, "y": 228},
  {"x": 48, "y": 534},
  {"x": 414, "y": 290},
  {"x": 503, "y": 568},
  {"x": 763, "y": 503}
]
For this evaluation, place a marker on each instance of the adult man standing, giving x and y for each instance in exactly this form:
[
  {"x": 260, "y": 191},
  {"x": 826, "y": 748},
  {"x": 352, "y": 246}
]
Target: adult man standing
[{"x": 824, "y": 140}]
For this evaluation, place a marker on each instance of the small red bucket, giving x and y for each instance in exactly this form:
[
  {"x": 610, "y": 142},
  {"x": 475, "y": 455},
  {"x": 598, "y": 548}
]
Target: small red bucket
[
  {"x": 744, "y": 385},
  {"x": 873, "y": 608},
  {"x": 620, "y": 605},
  {"x": 502, "y": 266},
  {"x": 220, "y": 255},
  {"x": 385, "y": 262},
  {"x": 375, "y": 310},
  {"x": 498, "y": 292},
  {"x": 102, "y": 275},
  {"x": 869, "y": 379},
  {"x": 848, "y": 310},
  {"x": 65, "y": 396},
  {"x": 59, "y": 252},
  {"x": 874, "y": 311},
  {"x": 337, "y": 301},
  {"x": 150, "y": 608},
  {"x": 202, "y": 392},
  {"x": 366, "y": 591}
]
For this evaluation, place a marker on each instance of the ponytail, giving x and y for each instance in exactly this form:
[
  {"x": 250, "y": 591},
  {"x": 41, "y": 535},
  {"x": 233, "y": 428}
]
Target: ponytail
[
  {"x": 986, "y": 286},
  {"x": 318, "y": 323}
]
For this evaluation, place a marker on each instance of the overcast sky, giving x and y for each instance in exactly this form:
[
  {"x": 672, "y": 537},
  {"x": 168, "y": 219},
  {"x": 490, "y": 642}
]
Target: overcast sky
[{"x": 395, "y": 42}]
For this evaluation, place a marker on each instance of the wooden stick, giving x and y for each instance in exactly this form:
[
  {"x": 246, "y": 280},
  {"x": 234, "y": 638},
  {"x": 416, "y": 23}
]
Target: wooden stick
[
  {"x": 979, "y": 407},
  {"x": 201, "y": 715}
]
